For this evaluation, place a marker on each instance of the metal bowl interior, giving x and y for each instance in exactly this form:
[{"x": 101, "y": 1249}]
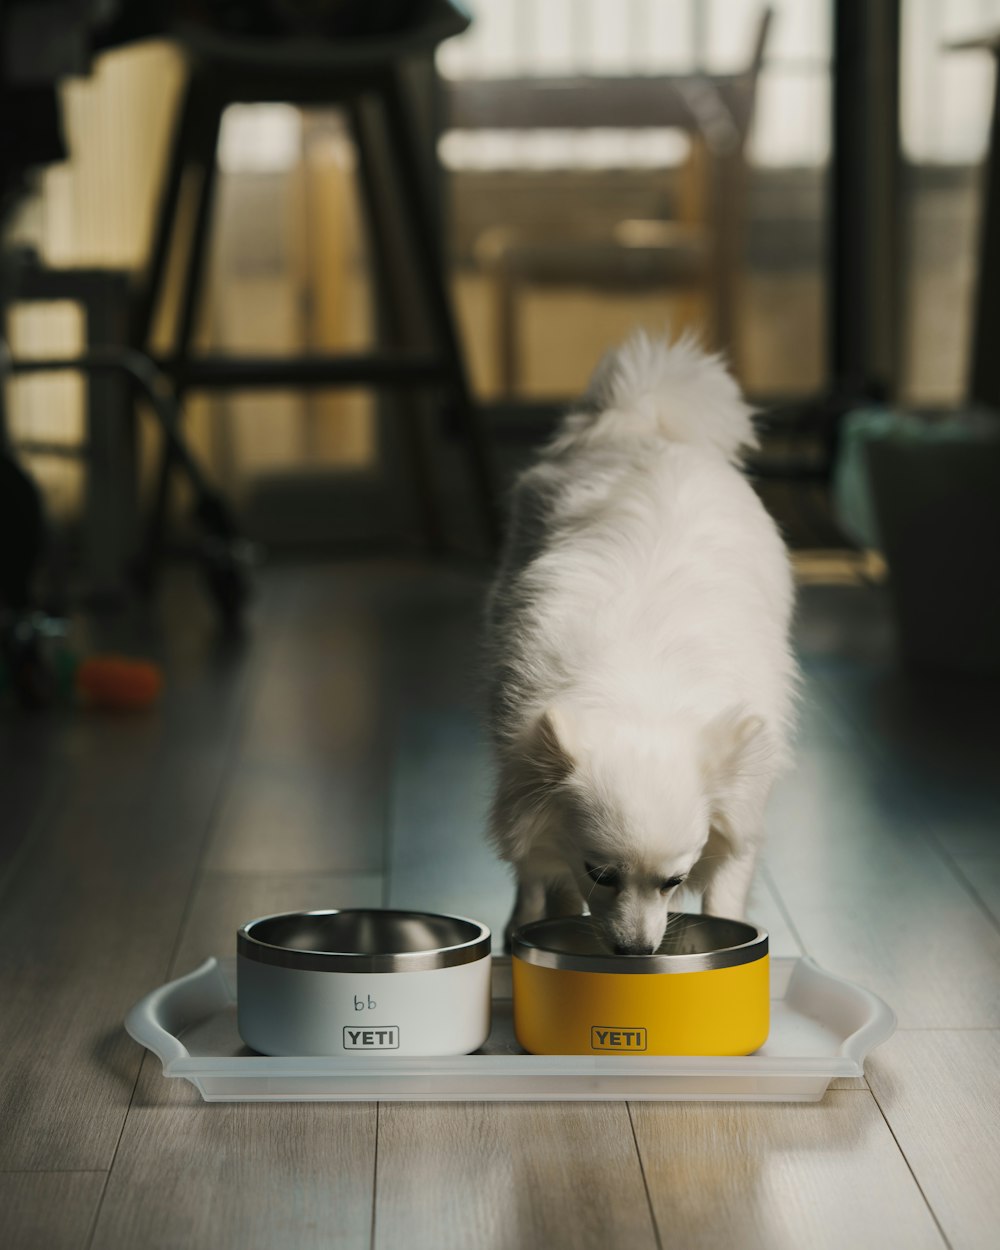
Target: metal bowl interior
[
  {"x": 366, "y": 940},
  {"x": 692, "y": 943}
]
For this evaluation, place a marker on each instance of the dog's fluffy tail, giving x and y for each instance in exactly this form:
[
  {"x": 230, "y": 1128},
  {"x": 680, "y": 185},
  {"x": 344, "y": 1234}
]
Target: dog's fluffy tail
[{"x": 678, "y": 388}]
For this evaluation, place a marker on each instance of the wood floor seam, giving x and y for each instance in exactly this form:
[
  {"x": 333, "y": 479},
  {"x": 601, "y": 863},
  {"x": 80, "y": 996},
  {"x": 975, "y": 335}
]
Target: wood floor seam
[
  {"x": 927, "y": 1202},
  {"x": 782, "y": 906},
  {"x": 645, "y": 1179},
  {"x": 53, "y": 803},
  {"x": 226, "y": 771},
  {"x": 959, "y": 873},
  {"x": 268, "y": 873},
  {"x": 940, "y": 1028},
  {"x": 107, "y": 1176},
  {"x": 371, "y": 1235},
  {"x": 53, "y": 1171}
]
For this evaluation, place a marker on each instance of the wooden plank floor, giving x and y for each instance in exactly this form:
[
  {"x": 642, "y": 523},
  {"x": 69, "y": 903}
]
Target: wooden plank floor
[{"x": 337, "y": 759}]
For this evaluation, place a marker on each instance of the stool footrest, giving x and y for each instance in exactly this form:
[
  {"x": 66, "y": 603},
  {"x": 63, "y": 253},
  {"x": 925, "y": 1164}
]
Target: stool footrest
[{"x": 382, "y": 369}]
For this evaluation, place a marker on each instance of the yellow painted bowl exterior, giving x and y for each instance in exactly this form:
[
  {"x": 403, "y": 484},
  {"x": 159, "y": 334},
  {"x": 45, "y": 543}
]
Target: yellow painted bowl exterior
[{"x": 721, "y": 1011}]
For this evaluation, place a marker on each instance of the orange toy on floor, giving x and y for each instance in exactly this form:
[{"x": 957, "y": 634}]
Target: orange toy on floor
[{"x": 118, "y": 683}]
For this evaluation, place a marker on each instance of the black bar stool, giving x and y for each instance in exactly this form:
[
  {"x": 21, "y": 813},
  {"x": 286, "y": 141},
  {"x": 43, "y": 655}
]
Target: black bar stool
[{"x": 365, "y": 76}]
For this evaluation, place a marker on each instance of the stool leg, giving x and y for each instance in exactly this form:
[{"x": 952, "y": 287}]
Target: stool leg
[
  {"x": 151, "y": 290},
  {"x": 203, "y": 135},
  {"x": 984, "y": 383},
  {"x": 389, "y": 302},
  {"x": 506, "y": 315},
  {"x": 429, "y": 264}
]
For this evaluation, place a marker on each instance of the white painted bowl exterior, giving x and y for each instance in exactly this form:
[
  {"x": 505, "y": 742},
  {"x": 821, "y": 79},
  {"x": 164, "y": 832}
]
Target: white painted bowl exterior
[{"x": 294, "y": 1011}]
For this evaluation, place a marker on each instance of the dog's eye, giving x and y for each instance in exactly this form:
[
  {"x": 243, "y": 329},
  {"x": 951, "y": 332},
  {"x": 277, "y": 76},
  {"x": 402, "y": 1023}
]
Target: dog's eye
[
  {"x": 671, "y": 883},
  {"x": 604, "y": 876}
]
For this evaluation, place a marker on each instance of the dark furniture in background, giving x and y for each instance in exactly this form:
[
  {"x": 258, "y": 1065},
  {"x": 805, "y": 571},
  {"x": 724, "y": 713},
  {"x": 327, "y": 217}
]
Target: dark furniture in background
[
  {"x": 366, "y": 76},
  {"x": 937, "y": 501},
  {"x": 984, "y": 372},
  {"x": 110, "y": 511},
  {"x": 865, "y": 242},
  {"x": 39, "y": 46},
  {"x": 340, "y": 51}
]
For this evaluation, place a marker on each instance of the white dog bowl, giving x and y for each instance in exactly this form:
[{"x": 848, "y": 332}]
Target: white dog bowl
[{"x": 365, "y": 982}]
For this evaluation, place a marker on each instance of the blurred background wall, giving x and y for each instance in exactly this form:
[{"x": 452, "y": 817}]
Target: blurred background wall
[{"x": 288, "y": 266}]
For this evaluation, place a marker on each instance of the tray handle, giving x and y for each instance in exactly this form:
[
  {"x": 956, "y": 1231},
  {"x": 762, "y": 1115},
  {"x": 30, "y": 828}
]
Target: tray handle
[
  {"x": 155, "y": 1020},
  {"x": 871, "y": 1020},
  {"x": 878, "y": 1028}
]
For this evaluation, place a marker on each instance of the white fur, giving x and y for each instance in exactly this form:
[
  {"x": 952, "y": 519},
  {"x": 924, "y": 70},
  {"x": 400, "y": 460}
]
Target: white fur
[{"x": 638, "y": 628}]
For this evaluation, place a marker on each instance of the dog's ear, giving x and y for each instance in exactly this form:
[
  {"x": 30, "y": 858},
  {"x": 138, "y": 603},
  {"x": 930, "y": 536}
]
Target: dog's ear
[
  {"x": 542, "y": 757},
  {"x": 554, "y": 743},
  {"x": 736, "y": 747}
]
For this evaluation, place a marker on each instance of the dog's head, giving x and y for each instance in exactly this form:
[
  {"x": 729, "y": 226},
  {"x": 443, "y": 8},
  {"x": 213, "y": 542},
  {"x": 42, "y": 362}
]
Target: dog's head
[{"x": 636, "y": 805}]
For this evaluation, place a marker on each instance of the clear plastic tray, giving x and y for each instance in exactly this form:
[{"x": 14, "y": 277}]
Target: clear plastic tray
[{"x": 822, "y": 1027}]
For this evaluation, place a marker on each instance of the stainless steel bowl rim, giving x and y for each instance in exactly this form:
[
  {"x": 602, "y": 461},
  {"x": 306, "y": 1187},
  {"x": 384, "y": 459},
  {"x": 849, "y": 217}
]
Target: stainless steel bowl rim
[
  {"x": 452, "y": 956},
  {"x": 528, "y": 945}
]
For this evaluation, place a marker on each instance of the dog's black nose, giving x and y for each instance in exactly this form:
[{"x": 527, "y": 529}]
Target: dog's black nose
[{"x": 632, "y": 948}]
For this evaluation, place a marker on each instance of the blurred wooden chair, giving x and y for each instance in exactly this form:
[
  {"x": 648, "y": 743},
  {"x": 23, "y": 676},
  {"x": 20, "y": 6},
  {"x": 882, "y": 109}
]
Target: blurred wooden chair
[{"x": 697, "y": 254}]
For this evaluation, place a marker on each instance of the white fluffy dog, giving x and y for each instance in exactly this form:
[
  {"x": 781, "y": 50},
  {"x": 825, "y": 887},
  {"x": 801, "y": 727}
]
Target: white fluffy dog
[{"x": 638, "y": 630}]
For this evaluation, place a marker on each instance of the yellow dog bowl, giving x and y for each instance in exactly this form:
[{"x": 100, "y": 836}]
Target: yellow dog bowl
[{"x": 705, "y": 991}]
